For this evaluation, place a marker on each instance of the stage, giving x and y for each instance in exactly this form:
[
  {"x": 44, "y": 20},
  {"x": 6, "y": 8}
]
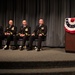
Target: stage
[
  {"x": 49, "y": 61},
  {"x": 47, "y": 54}
]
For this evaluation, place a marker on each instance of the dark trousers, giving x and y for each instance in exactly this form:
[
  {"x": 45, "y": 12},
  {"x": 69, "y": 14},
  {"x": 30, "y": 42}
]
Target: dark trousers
[
  {"x": 1, "y": 38},
  {"x": 9, "y": 38},
  {"x": 24, "y": 39},
  {"x": 39, "y": 38}
]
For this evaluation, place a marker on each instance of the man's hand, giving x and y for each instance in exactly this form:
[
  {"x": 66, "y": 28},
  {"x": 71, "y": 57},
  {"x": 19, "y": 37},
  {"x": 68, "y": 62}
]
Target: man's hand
[
  {"x": 33, "y": 34},
  {"x": 40, "y": 34},
  {"x": 22, "y": 35},
  {"x": 7, "y": 33}
]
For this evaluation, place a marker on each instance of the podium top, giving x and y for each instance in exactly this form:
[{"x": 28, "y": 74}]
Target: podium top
[{"x": 70, "y": 25}]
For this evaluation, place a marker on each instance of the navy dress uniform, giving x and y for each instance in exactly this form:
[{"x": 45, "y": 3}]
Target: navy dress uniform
[
  {"x": 11, "y": 29},
  {"x": 26, "y": 31},
  {"x": 40, "y": 29}
]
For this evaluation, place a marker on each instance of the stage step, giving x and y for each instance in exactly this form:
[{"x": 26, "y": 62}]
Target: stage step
[
  {"x": 38, "y": 68},
  {"x": 53, "y": 71},
  {"x": 37, "y": 64}
]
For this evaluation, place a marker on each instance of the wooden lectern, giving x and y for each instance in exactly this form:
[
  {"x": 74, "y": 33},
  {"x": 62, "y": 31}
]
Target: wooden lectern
[{"x": 69, "y": 42}]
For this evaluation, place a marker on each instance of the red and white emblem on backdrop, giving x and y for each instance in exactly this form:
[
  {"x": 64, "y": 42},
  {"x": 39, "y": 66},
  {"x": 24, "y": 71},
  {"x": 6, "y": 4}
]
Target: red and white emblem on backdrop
[{"x": 70, "y": 25}]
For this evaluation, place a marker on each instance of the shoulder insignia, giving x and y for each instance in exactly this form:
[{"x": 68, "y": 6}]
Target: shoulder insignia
[
  {"x": 26, "y": 29},
  {"x": 42, "y": 28},
  {"x": 12, "y": 28}
]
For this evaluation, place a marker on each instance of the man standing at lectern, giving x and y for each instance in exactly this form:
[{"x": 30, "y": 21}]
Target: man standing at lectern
[{"x": 39, "y": 33}]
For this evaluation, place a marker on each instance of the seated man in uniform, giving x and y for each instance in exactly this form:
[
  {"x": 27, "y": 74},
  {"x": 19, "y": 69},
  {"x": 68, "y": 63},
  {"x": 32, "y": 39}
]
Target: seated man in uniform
[
  {"x": 24, "y": 33},
  {"x": 39, "y": 33},
  {"x": 1, "y": 36},
  {"x": 9, "y": 34}
]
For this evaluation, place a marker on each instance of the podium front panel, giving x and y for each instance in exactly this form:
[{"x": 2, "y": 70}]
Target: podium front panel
[{"x": 69, "y": 42}]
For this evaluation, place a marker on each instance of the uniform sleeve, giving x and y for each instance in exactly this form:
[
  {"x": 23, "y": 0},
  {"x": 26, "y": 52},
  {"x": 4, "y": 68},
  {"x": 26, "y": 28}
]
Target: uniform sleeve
[
  {"x": 29, "y": 32},
  {"x": 19, "y": 32},
  {"x": 36, "y": 29},
  {"x": 6, "y": 29},
  {"x": 45, "y": 30}
]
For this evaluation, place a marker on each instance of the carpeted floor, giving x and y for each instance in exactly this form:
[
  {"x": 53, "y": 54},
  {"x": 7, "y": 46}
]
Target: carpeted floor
[{"x": 48, "y": 54}]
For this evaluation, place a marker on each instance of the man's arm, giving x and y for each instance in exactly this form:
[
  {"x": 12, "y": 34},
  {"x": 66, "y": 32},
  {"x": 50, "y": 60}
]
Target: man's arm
[
  {"x": 35, "y": 31},
  {"x": 45, "y": 30},
  {"x": 6, "y": 29},
  {"x": 19, "y": 32}
]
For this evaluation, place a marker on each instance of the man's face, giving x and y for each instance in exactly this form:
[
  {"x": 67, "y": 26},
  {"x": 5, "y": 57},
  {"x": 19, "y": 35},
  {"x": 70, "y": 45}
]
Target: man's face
[
  {"x": 24, "y": 22},
  {"x": 41, "y": 21},
  {"x": 10, "y": 22}
]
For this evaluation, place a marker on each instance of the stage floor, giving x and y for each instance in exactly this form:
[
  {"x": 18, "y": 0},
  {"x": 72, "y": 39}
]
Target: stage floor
[{"x": 48, "y": 54}]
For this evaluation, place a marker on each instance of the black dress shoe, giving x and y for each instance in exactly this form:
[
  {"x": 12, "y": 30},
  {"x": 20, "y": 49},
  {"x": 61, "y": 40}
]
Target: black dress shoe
[
  {"x": 6, "y": 48},
  {"x": 28, "y": 49},
  {"x": 38, "y": 50},
  {"x": 21, "y": 48},
  {"x": 14, "y": 48}
]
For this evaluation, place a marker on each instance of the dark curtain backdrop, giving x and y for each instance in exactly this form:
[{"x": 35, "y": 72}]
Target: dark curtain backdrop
[{"x": 52, "y": 11}]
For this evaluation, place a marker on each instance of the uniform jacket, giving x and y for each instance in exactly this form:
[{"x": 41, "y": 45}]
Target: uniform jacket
[
  {"x": 25, "y": 30},
  {"x": 40, "y": 30},
  {"x": 11, "y": 29}
]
